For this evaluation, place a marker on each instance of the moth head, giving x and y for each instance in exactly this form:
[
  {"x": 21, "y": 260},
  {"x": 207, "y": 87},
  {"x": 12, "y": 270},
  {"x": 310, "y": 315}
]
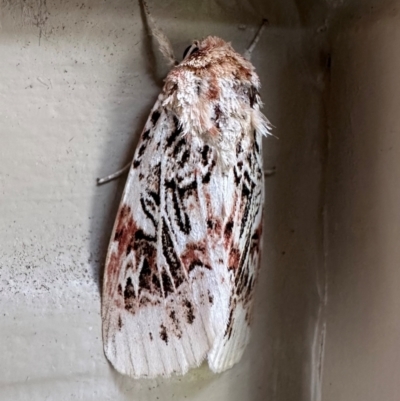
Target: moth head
[{"x": 214, "y": 57}]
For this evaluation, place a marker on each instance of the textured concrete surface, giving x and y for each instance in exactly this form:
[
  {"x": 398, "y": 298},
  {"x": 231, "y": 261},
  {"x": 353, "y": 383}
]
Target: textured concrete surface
[{"x": 77, "y": 82}]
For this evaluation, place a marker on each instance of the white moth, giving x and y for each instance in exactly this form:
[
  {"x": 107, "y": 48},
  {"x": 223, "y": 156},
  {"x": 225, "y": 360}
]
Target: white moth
[{"x": 184, "y": 252}]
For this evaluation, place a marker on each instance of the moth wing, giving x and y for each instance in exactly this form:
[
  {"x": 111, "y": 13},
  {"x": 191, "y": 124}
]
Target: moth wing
[
  {"x": 243, "y": 235},
  {"x": 156, "y": 298}
]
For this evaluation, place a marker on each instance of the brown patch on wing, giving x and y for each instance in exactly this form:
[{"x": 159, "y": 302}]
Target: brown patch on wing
[
  {"x": 130, "y": 238},
  {"x": 234, "y": 259},
  {"x": 124, "y": 231},
  {"x": 195, "y": 255}
]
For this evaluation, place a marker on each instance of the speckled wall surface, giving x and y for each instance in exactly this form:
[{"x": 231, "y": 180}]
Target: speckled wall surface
[{"x": 77, "y": 82}]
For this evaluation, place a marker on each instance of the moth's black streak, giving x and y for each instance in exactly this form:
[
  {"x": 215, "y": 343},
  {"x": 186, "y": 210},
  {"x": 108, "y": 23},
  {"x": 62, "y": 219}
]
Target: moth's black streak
[
  {"x": 156, "y": 282},
  {"x": 142, "y": 149},
  {"x": 185, "y": 158},
  {"x": 156, "y": 197},
  {"x": 136, "y": 163},
  {"x": 118, "y": 234},
  {"x": 194, "y": 264},
  {"x": 148, "y": 213},
  {"x": 175, "y": 133},
  {"x": 119, "y": 289},
  {"x": 171, "y": 139},
  {"x": 192, "y": 186},
  {"x": 189, "y": 311},
  {"x": 155, "y": 116},
  {"x": 217, "y": 112},
  {"x": 204, "y": 154},
  {"x": 119, "y": 322},
  {"x": 128, "y": 249},
  {"x": 167, "y": 284},
  {"x": 178, "y": 146},
  {"x": 146, "y": 135},
  {"x": 171, "y": 257},
  {"x": 145, "y": 276},
  {"x": 151, "y": 336},
  {"x": 172, "y": 316},
  {"x": 140, "y": 235},
  {"x": 228, "y": 331},
  {"x": 178, "y": 194},
  {"x": 228, "y": 229},
  {"x": 207, "y": 178},
  {"x": 163, "y": 334},
  {"x": 247, "y": 197},
  {"x": 129, "y": 289}
]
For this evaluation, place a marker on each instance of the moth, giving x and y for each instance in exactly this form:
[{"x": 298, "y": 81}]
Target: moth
[{"x": 184, "y": 252}]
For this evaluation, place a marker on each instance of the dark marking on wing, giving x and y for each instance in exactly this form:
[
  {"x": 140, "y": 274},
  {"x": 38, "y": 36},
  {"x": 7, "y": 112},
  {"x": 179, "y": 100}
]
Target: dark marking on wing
[
  {"x": 166, "y": 283},
  {"x": 163, "y": 334},
  {"x": 129, "y": 295},
  {"x": 189, "y": 311},
  {"x": 146, "y": 135},
  {"x": 210, "y": 297},
  {"x": 206, "y": 178},
  {"x": 229, "y": 326},
  {"x": 173, "y": 261},
  {"x": 129, "y": 289},
  {"x": 178, "y": 195},
  {"x": 145, "y": 276},
  {"x": 178, "y": 147},
  {"x": 174, "y": 134},
  {"x": 156, "y": 283},
  {"x": 204, "y": 154},
  {"x": 155, "y": 116},
  {"x": 228, "y": 230}
]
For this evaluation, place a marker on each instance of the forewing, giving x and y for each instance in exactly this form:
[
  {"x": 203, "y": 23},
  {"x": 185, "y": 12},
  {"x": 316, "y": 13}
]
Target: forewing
[
  {"x": 242, "y": 241},
  {"x": 159, "y": 285}
]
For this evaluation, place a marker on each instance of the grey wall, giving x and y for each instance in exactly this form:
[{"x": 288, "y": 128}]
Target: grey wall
[{"x": 362, "y": 354}]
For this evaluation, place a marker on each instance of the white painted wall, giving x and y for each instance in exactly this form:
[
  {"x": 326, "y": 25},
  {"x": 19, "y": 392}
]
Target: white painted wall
[{"x": 77, "y": 82}]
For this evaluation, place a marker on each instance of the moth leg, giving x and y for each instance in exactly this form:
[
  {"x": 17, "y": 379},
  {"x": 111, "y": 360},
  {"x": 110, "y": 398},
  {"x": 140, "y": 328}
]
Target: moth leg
[
  {"x": 104, "y": 180},
  {"x": 253, "y": 44},
  {"x": 163, "y": 42},
  {"x": 268, "y": 173}
]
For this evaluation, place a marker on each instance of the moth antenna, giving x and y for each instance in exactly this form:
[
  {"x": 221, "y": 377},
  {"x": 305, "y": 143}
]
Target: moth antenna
[
  {"x": 253, "y": 44},
  {"x": 113, "y": 176},
  {"x": 163, "y": 42}
]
